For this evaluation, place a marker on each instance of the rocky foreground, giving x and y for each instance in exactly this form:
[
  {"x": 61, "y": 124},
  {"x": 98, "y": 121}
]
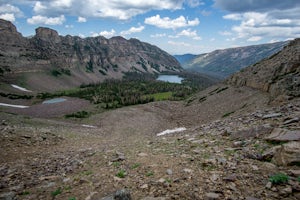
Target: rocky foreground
[{"x": 250, "y": 153}]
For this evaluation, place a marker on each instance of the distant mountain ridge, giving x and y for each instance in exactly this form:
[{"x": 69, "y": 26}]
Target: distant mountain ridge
[
  {"x": 48, "y": 60},
  {"x": 225, "y": 62},
  {"x": 185, "y": 57}
]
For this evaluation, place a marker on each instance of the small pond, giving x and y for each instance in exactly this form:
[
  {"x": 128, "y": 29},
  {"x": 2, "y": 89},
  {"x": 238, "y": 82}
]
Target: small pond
[
  {"x": 170, "y": 78},
  {"x": 55, "y": 100}
]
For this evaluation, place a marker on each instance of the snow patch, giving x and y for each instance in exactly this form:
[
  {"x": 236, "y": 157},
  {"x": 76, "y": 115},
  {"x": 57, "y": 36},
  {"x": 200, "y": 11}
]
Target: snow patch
[
  {"x": 11, "y": 105},
  {"x": 20, "y": 88},
  {"x": 88, "y": 126},
  {"x": 168, "y": 131}
]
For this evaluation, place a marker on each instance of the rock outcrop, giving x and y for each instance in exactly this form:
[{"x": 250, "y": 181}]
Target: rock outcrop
[
  {"x": 278, "y": 75},
  {"x": 51, "y": 60}
]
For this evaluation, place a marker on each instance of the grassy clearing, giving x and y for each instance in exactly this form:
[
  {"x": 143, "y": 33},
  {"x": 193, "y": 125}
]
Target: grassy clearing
[{"x": 160, "y": 96}]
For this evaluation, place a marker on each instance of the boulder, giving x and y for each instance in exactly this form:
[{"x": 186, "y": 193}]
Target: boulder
[
  {"x": 283, "y": 135},
  {"x": 288, "y": 154}
]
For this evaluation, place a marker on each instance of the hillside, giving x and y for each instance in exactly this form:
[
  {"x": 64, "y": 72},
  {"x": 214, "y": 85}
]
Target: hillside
[
  {"x": 235, "y": 140},
  {"x": 182, "y": 59},
  {"x": 278, "y": 75},
  {"x": 48, "y": 60},
  {"x": 223, "y": 63}
]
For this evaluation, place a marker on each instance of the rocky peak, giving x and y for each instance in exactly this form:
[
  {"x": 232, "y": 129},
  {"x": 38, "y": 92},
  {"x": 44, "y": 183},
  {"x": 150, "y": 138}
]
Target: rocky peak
[
  {"x": 279, "y": 75},
  {"x": 7, "y": 29},
  {"x": 47, "y": 34},
  {"x": 7, "y": 26}
]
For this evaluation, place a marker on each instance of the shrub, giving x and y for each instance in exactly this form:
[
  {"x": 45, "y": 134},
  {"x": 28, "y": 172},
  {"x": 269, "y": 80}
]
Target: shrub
[
  {"x": 56, "y": 192},
  {"x": 121, "y": 173},
  {"x": 279, "y": 178},
  {"x": 79, "y": 114}
]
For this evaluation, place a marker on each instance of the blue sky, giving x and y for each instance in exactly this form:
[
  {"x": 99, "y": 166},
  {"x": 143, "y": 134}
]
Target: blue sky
[{"x": 176, "y": 26}]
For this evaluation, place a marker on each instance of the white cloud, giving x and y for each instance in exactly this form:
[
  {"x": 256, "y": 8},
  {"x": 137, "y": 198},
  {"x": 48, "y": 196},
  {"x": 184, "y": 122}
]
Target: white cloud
[
  {"x": 179, "y": 43},
  {"x": 8, "y": 8},
  {"x": 8, "y": 17},
  {"x": 133, "y": 30},
  {"x": 234, "y": 16},
  {"x": 254, "y": 39},
  {"x": 168, "y": 23},
  {"x": 225, "y": 33},
  {"x": 256, "y": 5},
  {"x": 194, "y": 3},
  {"x": 108, "y": 34},
  {"x": 81, "y": 19},
  {"x": 263, "y": 19},
  {"x": 255, "y": 26},
  {"x": 39, "y": 19},
  {"x": 39, "y": 7},
  {"x": 189, "y": 33},
  {"x": 81, "y": 35},
  {"x": 69, "y": 26},
  {"x": 118, "y": 9},
  {"x": 158, "y": 35},
  {"x": 9, "y": 12}
]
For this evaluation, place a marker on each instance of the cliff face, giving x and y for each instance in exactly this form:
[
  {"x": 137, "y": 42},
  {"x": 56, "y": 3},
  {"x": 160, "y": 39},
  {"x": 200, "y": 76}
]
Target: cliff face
[
  {"x": 71, "y": 60},
  {"x": 278, "y": 75}
]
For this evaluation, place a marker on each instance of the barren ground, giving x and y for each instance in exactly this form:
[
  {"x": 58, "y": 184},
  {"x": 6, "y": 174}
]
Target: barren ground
[{"x": 45, "y": 156}]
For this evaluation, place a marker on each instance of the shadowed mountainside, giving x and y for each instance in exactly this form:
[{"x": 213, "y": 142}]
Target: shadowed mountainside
[
  {"x": 222, "y": 63},
  {"x": 48, "y": 60}
]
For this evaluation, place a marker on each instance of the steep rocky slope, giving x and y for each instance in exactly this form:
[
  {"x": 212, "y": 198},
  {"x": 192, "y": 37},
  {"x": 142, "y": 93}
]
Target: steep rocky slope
[
  {"x": 48, "y": 60},
  {"x": 225, "y": 62},
  {"x": 278, "y": 75}
]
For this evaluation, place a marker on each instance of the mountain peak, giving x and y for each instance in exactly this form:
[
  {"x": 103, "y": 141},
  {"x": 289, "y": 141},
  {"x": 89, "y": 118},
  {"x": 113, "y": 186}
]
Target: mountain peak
[{"x": 47, "y": 34}]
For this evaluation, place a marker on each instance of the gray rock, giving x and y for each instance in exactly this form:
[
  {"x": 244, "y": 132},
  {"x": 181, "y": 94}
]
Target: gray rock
[
  {"x": 269, "y": 185},
  {"x": 251, "y": 198},
  {"x": 252, "y": 132},
  {"x": 154, "y": 198},
  {"x": 288, "y": 154},
  {"x": 169, "y": 172},
  {"x": 122, "y": 195},
  {"x": 290, "y": 121},
  {"x": 8, "y": 196},
  {"x": 212, "y": 195},
  {"x": 269, "y": 154},
  {"x": 283, "y": 135},
  {"x": 272, "y": 115}
]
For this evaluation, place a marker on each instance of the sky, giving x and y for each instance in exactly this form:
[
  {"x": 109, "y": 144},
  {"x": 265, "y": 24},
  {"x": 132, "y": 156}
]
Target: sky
[{"x": 176, "y": 26}]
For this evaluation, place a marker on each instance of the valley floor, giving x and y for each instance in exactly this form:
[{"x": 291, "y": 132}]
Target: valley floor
[{"x": 223, "y": 153}]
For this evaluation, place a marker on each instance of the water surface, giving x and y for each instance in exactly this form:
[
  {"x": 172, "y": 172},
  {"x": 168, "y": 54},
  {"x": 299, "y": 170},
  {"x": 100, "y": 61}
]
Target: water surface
[{"x": 55, "y": 100}]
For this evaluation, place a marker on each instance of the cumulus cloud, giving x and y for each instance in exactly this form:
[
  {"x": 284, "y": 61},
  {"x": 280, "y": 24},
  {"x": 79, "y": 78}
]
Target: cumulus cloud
[
  {"x": 8, "y": 17},
  {"x": 255, "y": 5},
  {"x": 225, "y": 33},
  {"x": 254, "y": 38},
  {"x": 9, "y": 12},
  {"x": 81, "y": 19},
  {"x": 194, "y": 3},
  {"x": 158, "y": 35},
  {"x": 39, "y": 19},
  {"x": 189, "y": 33},
  {"x": 118, "y": 9},
  {"x": 263, "y": 18},
  {"x": 133, "y": 30},
  {"x": 179, "y": 43},
  {"x": 168, "y": 23},
  {"x": 108, "y": 34}
]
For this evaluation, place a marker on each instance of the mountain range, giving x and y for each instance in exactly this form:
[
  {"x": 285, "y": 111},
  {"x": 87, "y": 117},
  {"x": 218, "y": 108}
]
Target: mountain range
[
  {"x": 48, "y": 60},
  {"x": 225, "y": 62}
]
